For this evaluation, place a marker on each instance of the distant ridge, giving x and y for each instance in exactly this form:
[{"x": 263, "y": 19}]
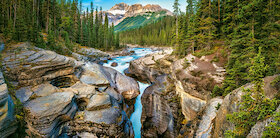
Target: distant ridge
[{"x": 121, "y": 11}]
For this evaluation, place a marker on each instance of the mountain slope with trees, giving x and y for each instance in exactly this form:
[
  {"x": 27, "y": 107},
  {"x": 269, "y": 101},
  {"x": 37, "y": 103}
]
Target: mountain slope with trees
[
  {"x": 140, "y": 20},
  {"x": 240, "y": 28}
]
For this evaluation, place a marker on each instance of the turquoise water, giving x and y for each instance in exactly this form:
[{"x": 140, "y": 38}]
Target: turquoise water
[
  {"x": 1, "y": 47},
  {"x": 123, "y": 63}
]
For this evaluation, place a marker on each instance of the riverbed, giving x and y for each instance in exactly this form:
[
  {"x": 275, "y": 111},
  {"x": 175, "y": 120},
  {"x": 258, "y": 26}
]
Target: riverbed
[{"x": 123, "y": 63}]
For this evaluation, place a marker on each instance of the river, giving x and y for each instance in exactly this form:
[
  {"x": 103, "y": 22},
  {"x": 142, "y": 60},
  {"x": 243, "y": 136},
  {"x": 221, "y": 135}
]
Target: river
[
  {"x": 123, "y": 63},
  {"x": 1, "y": 46}
]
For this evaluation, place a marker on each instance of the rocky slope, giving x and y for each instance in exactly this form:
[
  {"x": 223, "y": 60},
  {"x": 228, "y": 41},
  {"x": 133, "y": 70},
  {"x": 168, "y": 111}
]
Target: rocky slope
[
  {"x": 62, "y": 96},
  {"x": 191, "y": 80}
]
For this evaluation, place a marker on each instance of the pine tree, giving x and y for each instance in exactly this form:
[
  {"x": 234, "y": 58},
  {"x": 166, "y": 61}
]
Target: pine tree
[{"x": 176, "y": 13}]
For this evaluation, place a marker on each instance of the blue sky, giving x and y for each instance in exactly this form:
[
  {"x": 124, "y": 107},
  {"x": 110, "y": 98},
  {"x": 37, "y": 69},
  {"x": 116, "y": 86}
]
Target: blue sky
[{"x": 107, "y": 4}]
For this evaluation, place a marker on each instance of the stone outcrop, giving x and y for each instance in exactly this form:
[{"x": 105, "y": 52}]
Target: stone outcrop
[
  {"x": 190, "y": 105},
  {"x": 194, "y": 79},
  {"x": 144, "y": 68},
  {"x": 44, "y": 115},
  {"x": 197, "y": 76},
  {"x": 206, "y": 124},
  {"x": 231, "y": 104},
  {"x": 92, "y": 74},
  {"x": 258, "y": 129},
  {"x": 65, "y": 97},
  {"x": 8, "y": 124},
  {"x": 90, "y": 54},
  {"x": 124, "y": 85},
  {"x": 33, "y": 67},
  {"x": 157, "y": 118},
  {"x": 99, "y": 101}
]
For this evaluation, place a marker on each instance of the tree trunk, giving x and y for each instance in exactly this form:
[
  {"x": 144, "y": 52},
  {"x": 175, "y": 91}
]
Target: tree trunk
[
  {"x": 47, "y": 24},
  {"x": 177, "y": 32},
  {"x": 219, "y": 11},
  {"x": 15, "y": 14},
  {"x": 209, "y": 31}
]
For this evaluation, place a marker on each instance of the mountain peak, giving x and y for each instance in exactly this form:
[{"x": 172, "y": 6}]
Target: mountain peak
[
  {"x": 120, "y": 6},
  {"x": 122, "y": 10}
]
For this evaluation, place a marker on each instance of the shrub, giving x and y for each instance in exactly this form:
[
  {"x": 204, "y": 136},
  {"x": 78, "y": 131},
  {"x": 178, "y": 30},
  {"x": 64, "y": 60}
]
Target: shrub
[{"x": 273, "y": 129}]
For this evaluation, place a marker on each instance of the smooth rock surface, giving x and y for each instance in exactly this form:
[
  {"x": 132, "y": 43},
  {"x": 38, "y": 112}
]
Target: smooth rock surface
[
  {"x": 157, "y": 119},
  {"x": 24, "y": 93},
  {"x": 206, "y": 124},
  {"x": 124, "y": 85},
  {"x": 190, "y": 105},
  {"x": 99, "y": 101},
  {"x": 44, "y": 89},
  {"x": 92, "y": 75}
]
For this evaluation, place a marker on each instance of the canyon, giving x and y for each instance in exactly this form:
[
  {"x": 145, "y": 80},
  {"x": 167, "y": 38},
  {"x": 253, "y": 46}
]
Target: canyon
[{"x": 84, "y": 96}]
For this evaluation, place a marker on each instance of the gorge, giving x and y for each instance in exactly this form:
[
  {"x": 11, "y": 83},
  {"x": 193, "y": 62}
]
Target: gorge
[{"x": 74, "y": 69}]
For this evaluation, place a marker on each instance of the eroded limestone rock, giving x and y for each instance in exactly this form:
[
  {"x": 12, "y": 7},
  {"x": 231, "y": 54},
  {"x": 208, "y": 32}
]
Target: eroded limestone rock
[{"x": 45, "y": 115}]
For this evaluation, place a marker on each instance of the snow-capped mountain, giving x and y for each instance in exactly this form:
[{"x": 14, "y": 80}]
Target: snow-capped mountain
[{"x": 121, "y": 11}]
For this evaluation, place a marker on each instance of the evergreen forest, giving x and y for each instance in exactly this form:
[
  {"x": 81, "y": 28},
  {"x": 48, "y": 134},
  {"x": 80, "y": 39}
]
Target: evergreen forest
[{"x": 54, "y": 24}]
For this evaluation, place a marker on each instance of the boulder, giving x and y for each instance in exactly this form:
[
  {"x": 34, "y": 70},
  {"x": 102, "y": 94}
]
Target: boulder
[
  {"x": 106, "y": 116},
  {"x": 114, "y": 64},
  {"x": 8, "y": 124},
  {"x": 87, "y": 135},
  {"x": 142, "y": 68},
  {"x": 124, "y": 85},
  {"x": 25, "y": 93},
  {"x": 92, "y": 74},
  {"x": 113, "y": 93},
  {"x": 83, "y": 90},
  {"x": 99, "y": 101},
  {"x": 45, "y": 115}
]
